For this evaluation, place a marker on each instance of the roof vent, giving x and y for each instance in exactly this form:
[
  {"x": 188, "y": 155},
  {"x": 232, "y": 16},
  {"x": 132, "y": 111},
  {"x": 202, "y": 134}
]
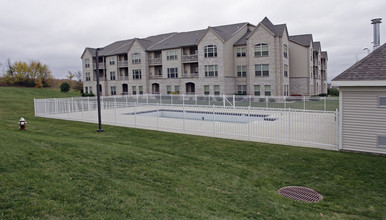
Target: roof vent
[{"x": 377, "y": 37}]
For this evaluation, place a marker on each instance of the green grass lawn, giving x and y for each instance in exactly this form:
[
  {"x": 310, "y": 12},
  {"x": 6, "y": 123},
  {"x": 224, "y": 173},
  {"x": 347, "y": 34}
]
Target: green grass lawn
[{"x": 64, "y": 169}]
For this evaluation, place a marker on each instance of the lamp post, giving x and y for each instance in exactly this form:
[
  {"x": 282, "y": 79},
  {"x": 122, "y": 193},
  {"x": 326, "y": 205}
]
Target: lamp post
[{"x": 98, "y": 92}]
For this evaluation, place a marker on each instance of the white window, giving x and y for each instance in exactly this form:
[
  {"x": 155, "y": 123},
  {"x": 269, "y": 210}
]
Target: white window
[
  {"x": 210, "y": 51},
  {"x": 140, "y": 88},
  {"x": 286, "y": 92},
  {"x": 134, "y": 88},
  {"x": 262, "y": 70},
  {"x": 168, "y": 89},
  {"x": 112, "y": 61},
  {"x": 86, "y": 89},
  {"x": 206, "y": 89},
  {"x": 136, "y": 58},
  {"x": 257, "y": 90},
  {"x": 285, "y": 51},
  {"x": 112, "y": 75},
  {"x": 267, "y": 90},
  {"x": 90, "y": 89},
  {"x": 172, "y": 72},
  {"x": 241, "y": 52},
  {"x": 113, "y": 90},
  {"x": 211, "y": 71},
  {"x": 261, "y": 50},
  {"x": 87, "y": 63},
  {"x": 216, "y": 89},
  {"x": 177, "y": 89},
  {"x": 241, "y": 71},
  {"x": 242, "y": 89},
  {"x": 88, "y": 78},
  {"x": 171, "y": 55},
  {"x": 137, "y": 74},
  {"x": 285, "y": 70}
]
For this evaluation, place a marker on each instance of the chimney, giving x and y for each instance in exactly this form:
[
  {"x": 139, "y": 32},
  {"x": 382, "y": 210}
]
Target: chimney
[{"x": 377, "y": 37}]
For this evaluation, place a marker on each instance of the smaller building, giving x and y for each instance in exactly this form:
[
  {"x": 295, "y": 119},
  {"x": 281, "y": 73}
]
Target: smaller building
[{"x": 363, "y": 104}]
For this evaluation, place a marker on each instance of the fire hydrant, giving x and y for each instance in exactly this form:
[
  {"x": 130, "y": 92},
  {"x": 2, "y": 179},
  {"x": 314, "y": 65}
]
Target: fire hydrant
[{"x": 22, "y": 123}]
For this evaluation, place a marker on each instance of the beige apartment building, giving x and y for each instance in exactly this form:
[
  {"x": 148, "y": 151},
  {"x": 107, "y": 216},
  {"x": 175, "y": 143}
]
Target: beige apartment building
[{"x": 244, "y": 59}]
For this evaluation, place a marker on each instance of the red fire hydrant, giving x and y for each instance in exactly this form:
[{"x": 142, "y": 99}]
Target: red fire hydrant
[{"x": 22, "y": 123}]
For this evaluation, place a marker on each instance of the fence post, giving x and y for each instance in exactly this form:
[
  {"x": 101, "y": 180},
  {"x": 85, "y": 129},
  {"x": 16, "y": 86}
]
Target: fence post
[
  {"x": 338, "y": 146},
  {"x": 103, "y": 105},
  {"x": 72, "y": 104},
  {"x": 325, "y": 104},
  {"x": 234, "y": 101},
  {"x": 171, "y": 99},
  {"x": 147, "y": 98},
  {"x": 82, "y": 110},
  {"x": 157, "y": 117},
  {"x": 214, "y": 122},
  {"x": 183, "y": 99},
  {"x": 304, "y": 103},
  {"x": 183, "y": 112},
  {"x": 249, "y": 125},
  {"x": 69, "y": 109},
  {"x": 285, "y": 104},
  {"x": 135, "y": 115},
  {"x": 209, "y": 99},
  {"x": 35, "y": 106},
  {"x": 115, "y": 110},
  {"x": 266, "y": 102},
  {"x": 45, "y": 106},
  {"x": 137, "y": 99},
  {"x": 289, "y": 125}
]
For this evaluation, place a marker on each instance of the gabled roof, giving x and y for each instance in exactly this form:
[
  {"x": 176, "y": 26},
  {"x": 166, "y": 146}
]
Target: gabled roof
[
  {"x": 278, "y": 30},
  {"x": 179, "y": 40},
  {"x": 243, "y": 40},
  {"x": 304, "y": 39},
  {"x": 324, "y": 55},
  {"x": 227, "y": 31},
  {"x": 370, "y": 68},
  {"x": 117, "y": 47},
  {"x": 153, "y": 40},
  {"x": 316, "y": 46}
]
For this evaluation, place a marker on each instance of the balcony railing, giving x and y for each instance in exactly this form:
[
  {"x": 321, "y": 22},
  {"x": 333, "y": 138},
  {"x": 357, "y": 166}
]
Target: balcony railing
[
  {"x": 101, "y": 66},
  {"x": 190, "y": 58},
  {"x": 123, "y": 63},
  {"x": 155, "y": 61},
  {"x": 190, "y": 75},
  {"x": 155, "y": 76}
]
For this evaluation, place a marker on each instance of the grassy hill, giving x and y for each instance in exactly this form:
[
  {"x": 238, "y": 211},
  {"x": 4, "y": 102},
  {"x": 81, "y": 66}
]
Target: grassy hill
[{"x": 63, "y": 169}]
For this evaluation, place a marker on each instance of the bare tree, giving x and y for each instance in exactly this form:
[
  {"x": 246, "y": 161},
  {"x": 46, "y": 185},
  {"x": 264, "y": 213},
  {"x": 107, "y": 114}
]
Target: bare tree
[
  {"x": 70, "y": 76},
  {"x": 79, "y": 75}
]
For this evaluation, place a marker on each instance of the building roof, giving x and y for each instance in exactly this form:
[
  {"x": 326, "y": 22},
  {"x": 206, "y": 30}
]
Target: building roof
[
  {"x": 243, "y": 40},
  {"x": 324, "y": 55},
  {"x": 278, "y": 30},
  {"x": 316, "y": 46},
  {"x": 179, "y": 40},
  {"x": 227, "y": 31},
  {"x": 304, "y": 39},
  {"x": 370, "y": 68}
]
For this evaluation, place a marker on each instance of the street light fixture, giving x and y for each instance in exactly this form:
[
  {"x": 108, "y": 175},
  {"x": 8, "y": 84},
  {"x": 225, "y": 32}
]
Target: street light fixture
[{"x": 98, "y": 92}]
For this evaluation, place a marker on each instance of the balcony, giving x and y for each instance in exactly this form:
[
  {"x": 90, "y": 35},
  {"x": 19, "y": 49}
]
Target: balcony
[
  {"x": 190, "y": 75},
  {"x": 190, "y": 58},
  {"x": 155, "y": 61},
  {"x": 155, "y": 76},
  {"x": 123, "y": 64},
  {"x": 101, "y": 66}
]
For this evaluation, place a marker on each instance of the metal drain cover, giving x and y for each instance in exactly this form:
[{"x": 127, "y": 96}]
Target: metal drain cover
[{"x": 300, "y": 194}]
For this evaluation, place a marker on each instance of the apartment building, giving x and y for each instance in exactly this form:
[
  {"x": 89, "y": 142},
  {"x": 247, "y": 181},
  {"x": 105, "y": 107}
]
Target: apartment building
[{"x": 231, "y": 59}]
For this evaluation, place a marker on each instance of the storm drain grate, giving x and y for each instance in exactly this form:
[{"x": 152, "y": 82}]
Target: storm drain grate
[{"x": 300, "y": 194}]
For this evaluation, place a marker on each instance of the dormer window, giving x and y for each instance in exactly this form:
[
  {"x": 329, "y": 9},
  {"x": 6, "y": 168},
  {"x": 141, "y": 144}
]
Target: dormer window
[
  {"x": 285, "y": 51},
  {"x": 261, "y": 50},
  {"x": 210, "y": 51},
  {"x": 112, "y": 61},
  {"x": 87, "y": 63}
]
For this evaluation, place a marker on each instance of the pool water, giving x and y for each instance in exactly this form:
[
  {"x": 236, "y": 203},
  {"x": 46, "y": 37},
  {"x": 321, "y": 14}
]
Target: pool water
[{"x": 203, "y": 115}]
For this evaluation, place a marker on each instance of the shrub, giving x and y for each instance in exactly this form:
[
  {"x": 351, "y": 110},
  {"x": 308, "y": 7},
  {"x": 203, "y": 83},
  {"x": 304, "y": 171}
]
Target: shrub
[
  {"x": 322, "y": 94},
  {"x": 333, "y": 92},
  {"x": 87, "y": 94},
  {"x": 64, "y": 87}
]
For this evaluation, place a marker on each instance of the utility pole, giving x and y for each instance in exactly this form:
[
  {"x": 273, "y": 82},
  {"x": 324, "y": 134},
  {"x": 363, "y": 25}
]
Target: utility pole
[{"x": 98, "y": 92}]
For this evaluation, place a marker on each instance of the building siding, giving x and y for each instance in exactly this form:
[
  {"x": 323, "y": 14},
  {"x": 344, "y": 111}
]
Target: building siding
[{"x": 362, "y": 119}]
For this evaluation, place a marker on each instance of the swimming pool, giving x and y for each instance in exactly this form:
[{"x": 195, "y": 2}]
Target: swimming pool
[{"x": 204, "y": 115}]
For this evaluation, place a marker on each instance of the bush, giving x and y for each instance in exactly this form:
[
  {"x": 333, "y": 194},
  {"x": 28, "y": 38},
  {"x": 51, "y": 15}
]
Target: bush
[
  {"x": 322, "y": 95},
  {"x": 64, "y": 87},
  {"x": 87, "y": 94},
  {"x": 333, "y": 92}
]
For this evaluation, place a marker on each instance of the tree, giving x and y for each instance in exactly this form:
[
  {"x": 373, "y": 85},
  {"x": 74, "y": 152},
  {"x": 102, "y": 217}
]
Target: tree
[
  {"x": 21, "y": 73},
  {"x": 70, "y": 76},
  {"x": 79, "y": 75},
  {"x": 64, "y": 87}
]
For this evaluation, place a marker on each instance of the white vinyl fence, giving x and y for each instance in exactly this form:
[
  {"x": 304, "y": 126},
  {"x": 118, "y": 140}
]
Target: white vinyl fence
[{"x": 190, "y": 115}]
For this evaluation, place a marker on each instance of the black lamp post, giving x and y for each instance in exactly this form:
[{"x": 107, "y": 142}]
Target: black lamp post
[{"x": 98, "y": 92}]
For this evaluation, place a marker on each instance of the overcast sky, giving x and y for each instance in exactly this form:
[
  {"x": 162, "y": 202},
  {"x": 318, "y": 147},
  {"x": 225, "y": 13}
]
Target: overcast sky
[{"x": 57, "y": 32}]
